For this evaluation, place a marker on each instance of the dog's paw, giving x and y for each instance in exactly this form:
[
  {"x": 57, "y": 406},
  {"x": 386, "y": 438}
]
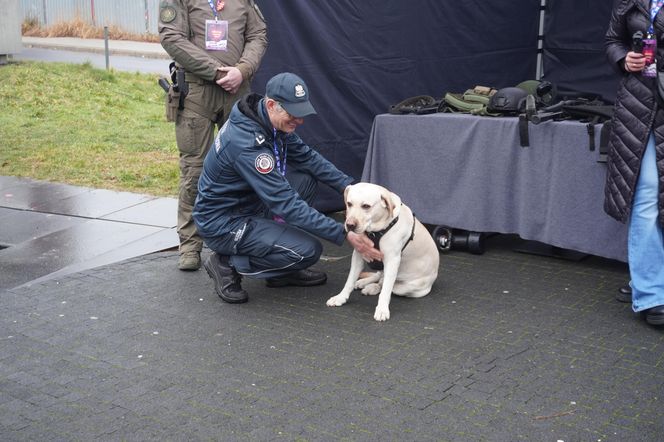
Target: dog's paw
[
  {"x": 337, "y": 301},
  {"x": 382, "y": 313},
  {"x": 371, "y": 289}
]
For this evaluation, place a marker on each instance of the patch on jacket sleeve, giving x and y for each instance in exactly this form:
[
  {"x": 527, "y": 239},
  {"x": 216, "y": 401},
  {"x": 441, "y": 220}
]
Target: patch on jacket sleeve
[
  {"x": 167, "y": 13},
  {"x": 264, "y": 163}
]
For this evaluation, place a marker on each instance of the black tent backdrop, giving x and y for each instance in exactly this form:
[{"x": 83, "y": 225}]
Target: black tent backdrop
[
  {"x": 573, "y": 55},
  {"x": 360, "y": 56}
]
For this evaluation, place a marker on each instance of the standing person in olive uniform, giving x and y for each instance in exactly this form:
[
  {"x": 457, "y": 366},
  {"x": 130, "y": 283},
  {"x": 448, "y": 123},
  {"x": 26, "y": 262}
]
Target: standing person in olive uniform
[{"x": 217, "y": 71}]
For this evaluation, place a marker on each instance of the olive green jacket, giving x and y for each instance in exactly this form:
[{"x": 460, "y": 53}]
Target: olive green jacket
[{"x": 182, "y": 34}]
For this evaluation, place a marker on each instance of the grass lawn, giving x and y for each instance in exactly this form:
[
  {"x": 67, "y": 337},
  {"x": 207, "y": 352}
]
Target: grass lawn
[{"x": 72, "y": 123}]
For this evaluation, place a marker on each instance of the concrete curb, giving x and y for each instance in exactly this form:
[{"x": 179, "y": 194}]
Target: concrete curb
[{"x": 115, "y": 47}]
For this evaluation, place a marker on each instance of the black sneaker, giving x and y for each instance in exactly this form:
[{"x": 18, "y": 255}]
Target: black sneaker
[
  {"x": 299, "y": 278},
  {"x": 226, "y": 280}
]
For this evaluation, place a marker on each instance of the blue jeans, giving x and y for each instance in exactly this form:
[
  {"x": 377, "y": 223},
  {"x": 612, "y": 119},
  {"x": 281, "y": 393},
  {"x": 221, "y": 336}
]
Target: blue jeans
[{"x": 645, "y": 246}]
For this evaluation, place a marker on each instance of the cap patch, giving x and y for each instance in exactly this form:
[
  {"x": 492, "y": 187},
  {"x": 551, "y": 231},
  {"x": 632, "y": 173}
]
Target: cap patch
[
  {"x": 167, "y": 14},
  {"x": 299, "y": 91},
  {"x": 264, "y": 163}
]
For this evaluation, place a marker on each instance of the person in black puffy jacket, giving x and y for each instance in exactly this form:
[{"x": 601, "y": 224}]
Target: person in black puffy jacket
[{"x": 634, "y": 191}]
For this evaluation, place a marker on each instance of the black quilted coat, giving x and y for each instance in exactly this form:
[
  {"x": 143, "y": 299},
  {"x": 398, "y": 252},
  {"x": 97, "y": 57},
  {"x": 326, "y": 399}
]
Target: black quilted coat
[{"x": 637, "y": 110}]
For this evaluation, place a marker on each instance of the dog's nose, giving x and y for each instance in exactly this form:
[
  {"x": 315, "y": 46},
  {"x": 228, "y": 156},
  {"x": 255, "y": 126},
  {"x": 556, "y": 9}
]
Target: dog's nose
[{"x": 350, "y": 227}]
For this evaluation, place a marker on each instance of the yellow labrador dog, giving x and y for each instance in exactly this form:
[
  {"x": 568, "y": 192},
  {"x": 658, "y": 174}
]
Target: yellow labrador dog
[{"x": 410, "y": 256}]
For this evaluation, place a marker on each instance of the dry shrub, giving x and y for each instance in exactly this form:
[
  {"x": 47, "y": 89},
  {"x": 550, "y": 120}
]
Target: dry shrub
[
  {"x": 30, "y": 26},
  {"x": 79, "y": 28}
]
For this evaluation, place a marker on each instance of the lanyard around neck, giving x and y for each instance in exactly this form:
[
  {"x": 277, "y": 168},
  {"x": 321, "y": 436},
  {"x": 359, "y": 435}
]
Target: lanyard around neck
[
  {"x": 281, "y": 167},
  {"x": 655, "y": 6},
  {"x": 216, "y": 5}
]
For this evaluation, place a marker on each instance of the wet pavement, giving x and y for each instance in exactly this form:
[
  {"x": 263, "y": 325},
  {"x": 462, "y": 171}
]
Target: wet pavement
[
  {"x": 51, "y": 229},
  {"x": 506, "y": 347}
]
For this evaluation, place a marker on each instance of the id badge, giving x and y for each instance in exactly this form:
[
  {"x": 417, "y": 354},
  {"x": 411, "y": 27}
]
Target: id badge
[
  {"x": 650, "y": 52},
  {"x": 216, "y": 35}
]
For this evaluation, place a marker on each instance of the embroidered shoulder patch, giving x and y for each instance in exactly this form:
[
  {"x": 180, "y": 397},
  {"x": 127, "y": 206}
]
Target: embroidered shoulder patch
[
  {"x": 264, "y": 163},
  {"x": 167, "y": 14}
]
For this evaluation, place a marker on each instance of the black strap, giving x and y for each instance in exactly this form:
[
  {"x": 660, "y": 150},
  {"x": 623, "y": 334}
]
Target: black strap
[
  {"x": 412, "y": 234},
  {"x": 376, "y": 236},
  {"x": 590, "y": 127},
  {"x": 604, "y": 136},
  {"x": 416, "y": 104},
  {"x": 184, "y": 87},
  {"x": 524, "y": 139}
]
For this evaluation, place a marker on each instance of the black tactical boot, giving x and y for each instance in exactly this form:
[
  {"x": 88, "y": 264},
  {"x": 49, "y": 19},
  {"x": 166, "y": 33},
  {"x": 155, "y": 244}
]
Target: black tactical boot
[
  {"x": 226, "y": 279},
  {"x": 300, "y": 278}
]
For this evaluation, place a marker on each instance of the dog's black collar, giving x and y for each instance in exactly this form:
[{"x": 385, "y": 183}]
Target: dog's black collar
[{"x": 376, "y": 236}]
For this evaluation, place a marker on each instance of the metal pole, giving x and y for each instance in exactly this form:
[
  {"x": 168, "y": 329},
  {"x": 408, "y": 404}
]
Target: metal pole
[
  {"x": 106, "y": 46},
  {"x": 540, "y": 42},
  {"x": 92, "y": 12},
  {"x": 147, "y": 18},
  {"x": 45, "y": 16}
]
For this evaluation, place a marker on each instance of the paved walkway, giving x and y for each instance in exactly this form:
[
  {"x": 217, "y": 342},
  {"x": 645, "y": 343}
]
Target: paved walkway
[
  {"x": 507, "y": 347},
  {"x": 116, "y": 47},
  {"x": 50, "y": 230}
]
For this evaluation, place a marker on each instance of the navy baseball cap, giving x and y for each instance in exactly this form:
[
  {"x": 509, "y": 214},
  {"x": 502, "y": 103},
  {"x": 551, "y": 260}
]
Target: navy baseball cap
[{"x": 293, "y": 94}]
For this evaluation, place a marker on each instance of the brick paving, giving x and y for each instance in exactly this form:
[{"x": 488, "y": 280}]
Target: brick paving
[{"x": 507, "y": 347}]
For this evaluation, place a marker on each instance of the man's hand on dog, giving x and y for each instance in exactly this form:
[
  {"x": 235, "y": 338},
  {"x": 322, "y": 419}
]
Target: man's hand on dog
[{"x": 364, "y": 246}]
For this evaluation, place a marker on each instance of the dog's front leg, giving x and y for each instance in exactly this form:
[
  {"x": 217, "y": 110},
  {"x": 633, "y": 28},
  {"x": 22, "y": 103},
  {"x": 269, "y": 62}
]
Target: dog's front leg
[
  {"x": 390, "y": 270},
  {"x": 356, "y": 266}
]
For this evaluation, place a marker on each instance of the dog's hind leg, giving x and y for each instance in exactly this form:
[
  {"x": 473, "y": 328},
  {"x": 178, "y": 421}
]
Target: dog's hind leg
[
  {"x": 412, "y": 289},
  {"x": 372, "y": 288},
  {"x": 369, "y": 278}
]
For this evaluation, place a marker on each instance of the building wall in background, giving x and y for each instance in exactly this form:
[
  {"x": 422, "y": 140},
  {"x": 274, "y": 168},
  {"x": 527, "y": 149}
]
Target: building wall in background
[
  {"x": 10, "y": 29},
  {"x": 135, "y": 16}
]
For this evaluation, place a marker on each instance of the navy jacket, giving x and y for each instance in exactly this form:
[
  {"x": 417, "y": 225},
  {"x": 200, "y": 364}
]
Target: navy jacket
[{"x": 241, "y": 179}]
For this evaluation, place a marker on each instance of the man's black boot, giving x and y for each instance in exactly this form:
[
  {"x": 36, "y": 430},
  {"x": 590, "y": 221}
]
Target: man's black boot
[
  {"x": 300, "y": 278},
  {"x": 226, "y": 279}
]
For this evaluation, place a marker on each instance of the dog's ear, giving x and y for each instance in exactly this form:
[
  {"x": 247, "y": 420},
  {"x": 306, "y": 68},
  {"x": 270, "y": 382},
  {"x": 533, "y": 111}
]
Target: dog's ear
[
  {"x": 346, "y": 190},
  {"x": 392, "y": 202},
  {"x": 396, "y": 204}
]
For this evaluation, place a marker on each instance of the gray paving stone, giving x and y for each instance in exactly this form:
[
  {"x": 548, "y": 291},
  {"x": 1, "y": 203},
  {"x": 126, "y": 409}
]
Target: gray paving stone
[{"x": 507, "y": 347}]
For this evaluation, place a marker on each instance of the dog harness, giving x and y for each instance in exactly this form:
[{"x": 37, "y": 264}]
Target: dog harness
[{"x": 376, "y": 236}]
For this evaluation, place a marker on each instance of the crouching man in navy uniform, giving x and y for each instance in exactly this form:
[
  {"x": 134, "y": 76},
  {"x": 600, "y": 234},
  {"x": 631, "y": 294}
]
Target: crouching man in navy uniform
[{"x": 254, "y": 196}]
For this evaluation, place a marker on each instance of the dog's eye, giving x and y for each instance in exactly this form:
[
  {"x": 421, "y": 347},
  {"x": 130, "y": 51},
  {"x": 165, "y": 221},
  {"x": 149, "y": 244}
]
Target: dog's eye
[
  {"x": 366, "y": 206},
  {"x": 349, "y": 205}
]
